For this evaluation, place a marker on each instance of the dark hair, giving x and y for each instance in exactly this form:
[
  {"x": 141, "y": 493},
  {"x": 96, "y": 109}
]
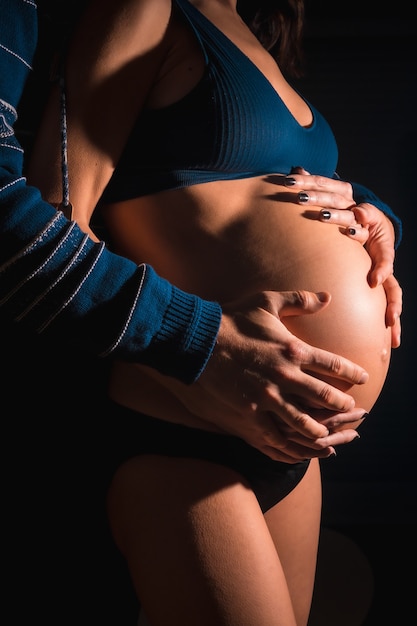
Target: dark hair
[{"x": 278, "y": 24}]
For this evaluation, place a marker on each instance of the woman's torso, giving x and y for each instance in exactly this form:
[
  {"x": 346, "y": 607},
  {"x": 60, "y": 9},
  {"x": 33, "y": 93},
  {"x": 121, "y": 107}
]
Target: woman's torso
[
  {"x": 219, "y": 109},
  {"x": 226, "y": 238}
]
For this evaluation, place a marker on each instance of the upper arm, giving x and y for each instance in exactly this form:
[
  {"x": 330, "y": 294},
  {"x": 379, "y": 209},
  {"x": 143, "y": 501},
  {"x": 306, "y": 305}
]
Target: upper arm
[{"x": 113, "y": 58}]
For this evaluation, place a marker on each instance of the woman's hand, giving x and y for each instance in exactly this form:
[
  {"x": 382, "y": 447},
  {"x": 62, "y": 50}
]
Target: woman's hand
[
  {"x": 371, "y": 227},
  {"x": 364, "y": 223}
]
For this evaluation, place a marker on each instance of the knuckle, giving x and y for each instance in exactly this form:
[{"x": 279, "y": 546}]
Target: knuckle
[
  {"x": 302, "y": 298},
  {"x": 321, "y": 444},
  {"x": 334, "y": 423},
  {"x": 325, "y": 394},
  {"x": 322, "y": 182},
  {"x": 347, "y": 188},
  {"x": 335, "y": 365},
  {"x": 300, "y": 420},
  {"x": 297, "y": 351}
]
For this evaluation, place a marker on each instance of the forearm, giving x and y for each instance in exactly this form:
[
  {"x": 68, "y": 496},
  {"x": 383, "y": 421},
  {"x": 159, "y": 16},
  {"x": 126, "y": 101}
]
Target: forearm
[{"x": 57, "y": 282}]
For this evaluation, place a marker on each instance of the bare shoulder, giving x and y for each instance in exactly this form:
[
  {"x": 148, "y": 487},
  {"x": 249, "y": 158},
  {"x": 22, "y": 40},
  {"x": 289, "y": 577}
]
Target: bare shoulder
[
  {"x": 114, "y": 43},
  {"x": 127, "y": 25}
]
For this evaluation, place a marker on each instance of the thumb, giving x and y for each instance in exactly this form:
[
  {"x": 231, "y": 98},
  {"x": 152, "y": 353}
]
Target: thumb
[{"x": 300, "y": 302}]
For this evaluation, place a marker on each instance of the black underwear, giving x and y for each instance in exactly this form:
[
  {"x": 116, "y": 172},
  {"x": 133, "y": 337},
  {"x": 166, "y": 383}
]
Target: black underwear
[{"x": 131, "y": 434}]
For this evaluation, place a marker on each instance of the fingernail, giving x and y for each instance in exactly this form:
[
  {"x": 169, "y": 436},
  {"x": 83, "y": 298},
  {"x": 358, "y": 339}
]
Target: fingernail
[
  {"x": 352, "y": 231},
  {"x": 364, "y": 377},
  {"x": 323, "y": 296},
  {"x": 364, "y": 416},
  {"x": 325, "y": 215},
  {"x": 289, "y": 181},
  {"x": 303, "y": 197}
]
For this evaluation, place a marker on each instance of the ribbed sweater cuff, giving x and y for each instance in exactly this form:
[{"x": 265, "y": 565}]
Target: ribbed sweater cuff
[
  {"x": 186, "y": 334},
  {"x": 196, "y": 323}
]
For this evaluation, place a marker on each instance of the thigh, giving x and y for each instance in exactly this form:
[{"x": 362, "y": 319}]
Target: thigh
[
  {"x": 294, "y": 524},
  {"x": 197, "y": 545}
]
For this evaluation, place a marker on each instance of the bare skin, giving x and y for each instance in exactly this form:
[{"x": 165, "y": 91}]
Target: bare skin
[
  {"x": 197, "y": 545},
  {"x": 282, "y": 383},
  {"x": 242, "y": 236},
  {"x": 363, "y": 223}
]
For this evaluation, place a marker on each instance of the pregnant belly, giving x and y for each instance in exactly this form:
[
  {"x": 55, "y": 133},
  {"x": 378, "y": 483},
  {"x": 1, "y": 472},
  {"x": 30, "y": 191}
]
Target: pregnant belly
[
  {"x": 317, "y": 257},
  {"x": 353, "y": 325},
  {"x": 278, "y": 248}
]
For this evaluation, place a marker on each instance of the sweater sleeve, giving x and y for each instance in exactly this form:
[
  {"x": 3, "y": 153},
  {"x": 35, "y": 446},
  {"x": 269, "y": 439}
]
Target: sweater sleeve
[{"x": 58, "y": 283}]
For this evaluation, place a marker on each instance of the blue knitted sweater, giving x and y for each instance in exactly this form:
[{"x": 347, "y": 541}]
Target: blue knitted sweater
[{"x": 57, "y": 283}]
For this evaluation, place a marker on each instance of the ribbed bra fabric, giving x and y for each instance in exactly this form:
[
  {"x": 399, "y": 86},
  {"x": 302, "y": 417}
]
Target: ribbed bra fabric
[{"x": 232, "y": 125}]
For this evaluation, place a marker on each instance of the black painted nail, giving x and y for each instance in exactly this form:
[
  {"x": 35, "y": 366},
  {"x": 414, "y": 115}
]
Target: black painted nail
[
  {"x": 352, "y": 231},
  {"x": 303, "y": 197},
  {"x": 325, "y": 215},
  {"x": 289, "y": 181}
]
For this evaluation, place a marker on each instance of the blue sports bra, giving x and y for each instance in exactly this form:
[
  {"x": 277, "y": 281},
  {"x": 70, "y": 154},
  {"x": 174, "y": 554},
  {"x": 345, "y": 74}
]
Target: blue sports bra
[{"x": 232, "y": 125}]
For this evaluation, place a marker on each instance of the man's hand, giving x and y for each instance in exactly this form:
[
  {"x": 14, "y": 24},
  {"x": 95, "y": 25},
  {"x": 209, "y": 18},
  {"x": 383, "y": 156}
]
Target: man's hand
[{"x": 257, "y": 384}]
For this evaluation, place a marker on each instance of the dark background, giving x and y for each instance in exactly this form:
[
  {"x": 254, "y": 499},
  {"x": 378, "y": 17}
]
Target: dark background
[{"x": 360, "y": 72}]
